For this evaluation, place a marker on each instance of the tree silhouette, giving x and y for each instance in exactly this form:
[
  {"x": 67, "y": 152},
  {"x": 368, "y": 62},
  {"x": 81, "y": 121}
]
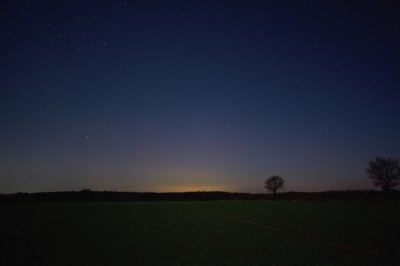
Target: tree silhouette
[
  {"x": 273, "y": 183},
  {"x": 385, "y": 173}
]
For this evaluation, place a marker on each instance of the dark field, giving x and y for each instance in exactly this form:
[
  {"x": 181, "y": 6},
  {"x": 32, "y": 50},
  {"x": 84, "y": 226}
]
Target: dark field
[{"x": 200, "y": 233}]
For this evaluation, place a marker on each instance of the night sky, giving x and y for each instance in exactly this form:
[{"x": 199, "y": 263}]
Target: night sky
[{"x": 196, "y": 95}]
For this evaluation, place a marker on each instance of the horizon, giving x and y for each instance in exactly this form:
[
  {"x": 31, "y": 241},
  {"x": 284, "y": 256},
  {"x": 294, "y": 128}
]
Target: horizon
[{"x": 192, "y": 191}]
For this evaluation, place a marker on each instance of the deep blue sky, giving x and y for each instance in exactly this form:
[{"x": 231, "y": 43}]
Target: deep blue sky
[{"x": 196, "y": 95}]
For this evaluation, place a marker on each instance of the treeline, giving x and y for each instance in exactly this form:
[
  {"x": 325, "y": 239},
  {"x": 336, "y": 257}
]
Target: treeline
[{"x": 88, "y": 195}]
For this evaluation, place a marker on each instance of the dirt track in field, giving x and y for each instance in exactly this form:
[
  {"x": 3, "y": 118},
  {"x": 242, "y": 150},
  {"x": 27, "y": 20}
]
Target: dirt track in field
[
  {"x": 296, "y": 235},
  {"x": 280, "y": 223}
]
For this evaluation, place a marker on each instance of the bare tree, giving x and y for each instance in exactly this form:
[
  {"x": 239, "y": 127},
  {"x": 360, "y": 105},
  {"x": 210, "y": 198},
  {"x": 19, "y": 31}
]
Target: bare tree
[
  {"x": 385, "y": 173},
  {"x": 273, "y": 183}
]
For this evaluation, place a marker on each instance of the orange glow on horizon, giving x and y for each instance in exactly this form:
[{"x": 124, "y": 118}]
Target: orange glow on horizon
[{"x": 192, "y": 188}]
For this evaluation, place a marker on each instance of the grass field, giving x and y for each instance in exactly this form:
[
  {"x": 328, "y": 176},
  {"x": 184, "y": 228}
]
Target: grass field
[{"x": 200, "y": 233}]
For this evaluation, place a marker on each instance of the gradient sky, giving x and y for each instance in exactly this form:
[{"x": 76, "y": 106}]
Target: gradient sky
[{"x": 196, "y": 95}]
